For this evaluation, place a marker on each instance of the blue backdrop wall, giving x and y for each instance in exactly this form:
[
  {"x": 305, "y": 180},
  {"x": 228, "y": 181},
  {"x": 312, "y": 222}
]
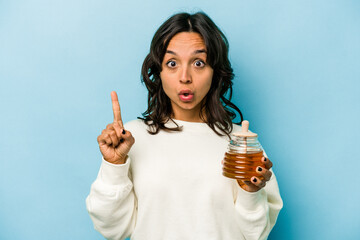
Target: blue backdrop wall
[{"x": 297, "y": 69}]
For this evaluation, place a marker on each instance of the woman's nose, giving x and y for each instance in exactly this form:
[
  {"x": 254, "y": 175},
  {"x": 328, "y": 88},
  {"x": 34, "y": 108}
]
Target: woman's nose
[{"x": 185, "y": 75}]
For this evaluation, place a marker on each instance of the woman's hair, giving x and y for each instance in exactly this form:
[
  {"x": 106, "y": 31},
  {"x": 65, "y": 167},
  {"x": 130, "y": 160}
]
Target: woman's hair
[{"x": 216, "y": 105}]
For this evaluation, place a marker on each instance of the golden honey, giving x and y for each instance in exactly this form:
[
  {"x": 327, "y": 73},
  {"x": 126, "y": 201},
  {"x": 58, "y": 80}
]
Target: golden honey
[{"x": 242, "y": 166}]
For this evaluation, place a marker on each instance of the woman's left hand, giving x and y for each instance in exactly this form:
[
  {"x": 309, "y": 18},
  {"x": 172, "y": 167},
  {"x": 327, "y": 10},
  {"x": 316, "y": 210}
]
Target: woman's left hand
[{"x": 257, "y": 183}]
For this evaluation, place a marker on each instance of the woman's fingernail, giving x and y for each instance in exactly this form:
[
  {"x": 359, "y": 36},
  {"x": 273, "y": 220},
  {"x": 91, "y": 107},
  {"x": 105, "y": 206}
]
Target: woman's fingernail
[
  {"x": 123, "y": 132},
  {"x": 259, "y": 169}
]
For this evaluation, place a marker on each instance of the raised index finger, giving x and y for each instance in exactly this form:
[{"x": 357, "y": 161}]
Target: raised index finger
[{"x": 116, "y": 108}]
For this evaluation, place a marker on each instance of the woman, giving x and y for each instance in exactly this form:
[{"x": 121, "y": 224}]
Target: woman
[{"x": 169, "y": 183}]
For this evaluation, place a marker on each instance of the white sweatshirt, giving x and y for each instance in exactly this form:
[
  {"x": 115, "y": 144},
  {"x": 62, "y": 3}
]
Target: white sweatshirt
[{"x": 171, "y": 187}]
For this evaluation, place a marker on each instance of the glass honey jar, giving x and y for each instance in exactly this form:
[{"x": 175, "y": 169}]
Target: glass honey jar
[{"x": 244, "y": 155}]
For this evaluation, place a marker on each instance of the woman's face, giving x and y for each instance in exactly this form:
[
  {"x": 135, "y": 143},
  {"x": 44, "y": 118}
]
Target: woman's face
[{"x": 186, "y": 77}]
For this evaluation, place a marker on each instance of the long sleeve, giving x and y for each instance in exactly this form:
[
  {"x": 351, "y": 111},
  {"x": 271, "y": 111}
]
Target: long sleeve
[
  {"x": 112, "y": 202},
  {"x": 257, "y": 212}
]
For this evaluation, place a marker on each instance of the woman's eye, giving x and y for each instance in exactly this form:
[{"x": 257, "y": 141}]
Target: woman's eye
[
  {"x": 171, "y": 64},
  {"x": 199, "y": 63}
]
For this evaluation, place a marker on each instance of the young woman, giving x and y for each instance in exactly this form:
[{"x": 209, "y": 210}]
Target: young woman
[{"x": 161, "y": 175}]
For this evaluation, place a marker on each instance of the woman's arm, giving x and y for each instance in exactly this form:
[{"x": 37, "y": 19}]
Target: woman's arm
[
  {"x": 258, "y": 211},
  {"x": 112, "y": 203}
]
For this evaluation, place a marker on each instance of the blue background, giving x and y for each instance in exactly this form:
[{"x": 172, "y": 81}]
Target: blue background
[{"x": 297, "y": 66}]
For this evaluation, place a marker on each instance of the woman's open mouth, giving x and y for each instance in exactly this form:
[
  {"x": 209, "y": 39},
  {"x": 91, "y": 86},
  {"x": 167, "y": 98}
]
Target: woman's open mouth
[{"x": 186, "y": 95}]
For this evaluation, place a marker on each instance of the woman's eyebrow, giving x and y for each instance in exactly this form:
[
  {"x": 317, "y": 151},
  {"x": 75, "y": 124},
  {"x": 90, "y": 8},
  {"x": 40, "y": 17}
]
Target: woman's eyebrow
[
  {"x": 199, "y": 51},
  {"x": 171, "y": 52},
  {"x": 194, "y": 53}
]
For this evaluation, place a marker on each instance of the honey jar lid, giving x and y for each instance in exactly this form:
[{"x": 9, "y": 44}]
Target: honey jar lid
[{"x": 245, "y": 130}]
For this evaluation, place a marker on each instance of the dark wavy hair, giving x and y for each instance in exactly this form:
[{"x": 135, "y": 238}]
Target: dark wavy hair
[{"x": 216, "y": 105}]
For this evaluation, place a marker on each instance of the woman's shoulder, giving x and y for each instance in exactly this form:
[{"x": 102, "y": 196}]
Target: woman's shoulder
[
  {"x": 135, "y": 124},
  {"x": 137, "y": 128},
  {"x": 236, "y": 128}
]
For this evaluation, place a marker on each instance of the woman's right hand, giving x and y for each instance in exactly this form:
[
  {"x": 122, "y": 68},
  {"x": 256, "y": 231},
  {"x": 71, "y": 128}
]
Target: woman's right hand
[{"x": 115, "y": 142}]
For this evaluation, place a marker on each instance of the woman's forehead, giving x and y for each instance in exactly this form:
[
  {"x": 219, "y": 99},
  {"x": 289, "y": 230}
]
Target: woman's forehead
[{"x": 186, "y": 41}]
